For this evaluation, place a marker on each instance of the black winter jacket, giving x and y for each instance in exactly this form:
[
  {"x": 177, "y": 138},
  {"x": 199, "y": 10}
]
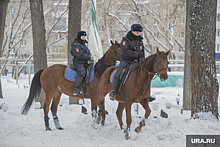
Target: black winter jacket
[
  {"x": 80, "y": 52},
  {"x": 131, "y": 47}
]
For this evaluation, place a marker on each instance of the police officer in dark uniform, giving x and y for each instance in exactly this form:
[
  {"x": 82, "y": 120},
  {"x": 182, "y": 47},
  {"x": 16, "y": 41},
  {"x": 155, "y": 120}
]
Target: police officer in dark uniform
[
  {"x": 132, "y": 48},
  {"x": 81, "y": 56}
]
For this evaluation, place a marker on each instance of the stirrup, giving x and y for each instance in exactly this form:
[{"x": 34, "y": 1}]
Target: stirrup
[
  {"x": 112, "y": 95},
  {"x": 75, "y": 92}
]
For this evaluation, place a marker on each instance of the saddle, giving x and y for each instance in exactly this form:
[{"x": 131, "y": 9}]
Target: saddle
[
  {"x": 124, "y": 75},
  {"x": 88, "y": 70}
]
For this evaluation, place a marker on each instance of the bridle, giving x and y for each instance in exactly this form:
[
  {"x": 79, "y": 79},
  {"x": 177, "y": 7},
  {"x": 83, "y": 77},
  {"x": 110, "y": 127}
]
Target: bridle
[{"x": 150, "y": 73}]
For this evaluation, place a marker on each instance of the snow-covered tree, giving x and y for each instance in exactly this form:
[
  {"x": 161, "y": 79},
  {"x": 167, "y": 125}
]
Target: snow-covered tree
[
  {"x": 3, "y": 8},
  {"x": 74, "y": 25},
  {"x": 205, "y": 88}
]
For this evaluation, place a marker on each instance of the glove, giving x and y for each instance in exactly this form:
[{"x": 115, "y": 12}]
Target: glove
[
  {"x": 140, "y": 55},
  {"x": 91, "y": 58}
]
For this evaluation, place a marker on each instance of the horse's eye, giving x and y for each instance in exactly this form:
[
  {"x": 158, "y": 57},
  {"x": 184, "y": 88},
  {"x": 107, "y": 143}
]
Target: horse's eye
[{"x": 159, "y": 62}]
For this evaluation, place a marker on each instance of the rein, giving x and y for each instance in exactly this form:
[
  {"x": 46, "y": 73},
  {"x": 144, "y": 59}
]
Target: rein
[
  {"x": 149, "y": 73},
  {"x": 109, "y": 64}
]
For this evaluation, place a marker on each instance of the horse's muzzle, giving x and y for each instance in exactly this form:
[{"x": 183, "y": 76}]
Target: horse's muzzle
[{"x": 163, "y": 77}]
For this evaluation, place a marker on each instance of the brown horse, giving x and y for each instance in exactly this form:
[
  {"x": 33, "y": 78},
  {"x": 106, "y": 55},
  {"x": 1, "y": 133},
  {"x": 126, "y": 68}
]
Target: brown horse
[
  {"x": 135, "y": 89},
  {"x": 53, "y": 83}
]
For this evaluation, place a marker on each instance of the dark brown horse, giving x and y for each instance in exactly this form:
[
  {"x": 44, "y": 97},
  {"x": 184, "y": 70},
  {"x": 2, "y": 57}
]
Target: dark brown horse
[
  {"x": 53, "y": 83},
  {"x": 136, "y": 89}
]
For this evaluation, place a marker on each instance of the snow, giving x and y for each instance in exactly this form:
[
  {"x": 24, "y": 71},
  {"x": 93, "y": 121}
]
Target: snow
[{"x": 20, "y": 130}]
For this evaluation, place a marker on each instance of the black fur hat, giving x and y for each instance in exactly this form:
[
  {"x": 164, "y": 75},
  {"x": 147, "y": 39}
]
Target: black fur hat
[
  {"x": 136, "y": 27},
  {"x": 81, "y": 33}
]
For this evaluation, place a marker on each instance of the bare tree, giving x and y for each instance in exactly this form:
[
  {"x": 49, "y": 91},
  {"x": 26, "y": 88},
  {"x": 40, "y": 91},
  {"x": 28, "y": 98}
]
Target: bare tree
[
  {"x": 205, "y": 88},
  {"x": 74, "y": 25},
  {"x": 187, "y": 62},
  {"x": 39, "y": 45},
  {"x": 140, "y": 12},
  {"x": 3, "y": 8}
]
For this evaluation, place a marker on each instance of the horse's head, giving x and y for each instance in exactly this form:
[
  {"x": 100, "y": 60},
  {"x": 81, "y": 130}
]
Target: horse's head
[
  {"x": 161, "y": 65},
  {"x": 116, "y": 50}
]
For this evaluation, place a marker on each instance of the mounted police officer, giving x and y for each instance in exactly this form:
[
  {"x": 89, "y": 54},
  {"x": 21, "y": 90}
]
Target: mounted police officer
[
  {"x": 81, "y": 56},
  {"x": 132, "y": 48}
]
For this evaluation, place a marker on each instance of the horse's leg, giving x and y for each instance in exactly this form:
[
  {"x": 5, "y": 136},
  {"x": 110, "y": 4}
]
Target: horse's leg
[
  {"x": 94, "y": 102},
  {"x": 145, "y": 104},
  {"x": 128, "y": 117},
  {"x": 102, "y": 111},
  {"x": 119, "y": 112},
  {"x": 56, "y": 99},
  {"x": 46, "y": 110}
]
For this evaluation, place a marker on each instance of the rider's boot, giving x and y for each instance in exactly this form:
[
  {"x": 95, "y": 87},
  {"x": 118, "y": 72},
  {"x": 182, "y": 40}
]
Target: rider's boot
[
  {"x": 77, "y": 90},
  {"x": 113, "y": 93}
]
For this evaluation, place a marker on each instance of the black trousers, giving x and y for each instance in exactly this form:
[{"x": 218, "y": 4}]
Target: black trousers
[
  {"x": 121, "y": 67},
  {"x": 81, "y": 70}
]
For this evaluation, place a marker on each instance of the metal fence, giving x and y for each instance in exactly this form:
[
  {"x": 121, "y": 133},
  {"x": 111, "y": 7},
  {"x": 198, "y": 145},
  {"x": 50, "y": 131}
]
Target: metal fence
[{"x": 27, "y": 66}]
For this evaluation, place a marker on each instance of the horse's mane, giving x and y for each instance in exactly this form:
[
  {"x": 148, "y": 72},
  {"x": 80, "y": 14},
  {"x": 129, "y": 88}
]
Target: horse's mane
[
  {"x": 146, "y": 62},
  {"x": 101, "y": 62}
]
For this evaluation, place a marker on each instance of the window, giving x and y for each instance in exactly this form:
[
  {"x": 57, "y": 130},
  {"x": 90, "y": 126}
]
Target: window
[
  {"x": 88, "y": 22},
  {"x": 180, "y": 49},
  {"x": 89, "y": 9},
  {"x": 101, "y": 15},
  {"x": 218, "y": 32},
  {"x": 11, "y": 23},
  {"x": 62, "y": 23},
  {"x": 12, "y": 10},
  {"x": 181, "y": 34},
  {"x": 182, "y": 19},
  {"x": 101, "y": 28},
  {"x": 157, "y": 7},
  {"x": 23, "y": 16},
  {"x": 218, "y": 3},
  {"x": 156, "y": 35},
  {"x": 61, "y": 35},
  {"x": 111, "y": 8},
  {"x": 23, "y": 43},
  {"x": 217, "y": 48},
  {"x": 156, "y": 21},
  {"x": 218, "y": 17}
]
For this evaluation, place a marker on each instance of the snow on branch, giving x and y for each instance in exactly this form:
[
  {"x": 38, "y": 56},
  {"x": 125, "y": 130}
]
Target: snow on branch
[
  {"x": 57, "y": 40},
  {"x": 155, "y": 16}
]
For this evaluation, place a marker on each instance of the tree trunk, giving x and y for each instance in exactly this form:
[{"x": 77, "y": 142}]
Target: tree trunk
[
  {"x": 39, "y": 45},
  {"x": 3, "y": 8},
  {"x": 74, "y": 25},
  {"x": 205, "y": 86},
  {"x": 187, "y": 62}
]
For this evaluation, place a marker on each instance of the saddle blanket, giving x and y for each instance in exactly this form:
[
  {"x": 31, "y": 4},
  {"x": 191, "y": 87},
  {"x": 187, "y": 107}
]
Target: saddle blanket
[
  {"x": 113, "y": 75},
  {"x": 70, "y": 75}
]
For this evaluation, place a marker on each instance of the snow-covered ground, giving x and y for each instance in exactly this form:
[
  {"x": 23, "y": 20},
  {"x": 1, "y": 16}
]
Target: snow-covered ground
[{"x": 17, "y": 130}]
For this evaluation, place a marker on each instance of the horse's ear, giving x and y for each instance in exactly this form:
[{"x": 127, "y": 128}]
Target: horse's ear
[
  {"x": 112, "y": 42},
  {"x": 158, "y": 52},
  {"x": 168, "y": 52}
]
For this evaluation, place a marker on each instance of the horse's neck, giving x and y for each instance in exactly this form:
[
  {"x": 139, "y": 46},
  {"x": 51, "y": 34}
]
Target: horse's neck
[
  {"x": 144, "y": 71},
  {"x": 107, "y": 61},
  {"x": 110, "y": 58}
]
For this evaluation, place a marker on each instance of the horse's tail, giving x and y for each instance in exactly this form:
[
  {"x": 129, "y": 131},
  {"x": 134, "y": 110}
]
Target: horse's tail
[{"x": 35, "y": 90}]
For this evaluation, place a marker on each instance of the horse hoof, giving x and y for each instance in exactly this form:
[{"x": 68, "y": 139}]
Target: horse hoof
[
  {"x": 136, "y": 130},
  {"x": 98, "y": 122},
  {"x": 48, "y": 129},
  {"x": 60, "y": 128},
  {"x": 127, "y": 136},
  {"x": 103, "y": 123}
]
